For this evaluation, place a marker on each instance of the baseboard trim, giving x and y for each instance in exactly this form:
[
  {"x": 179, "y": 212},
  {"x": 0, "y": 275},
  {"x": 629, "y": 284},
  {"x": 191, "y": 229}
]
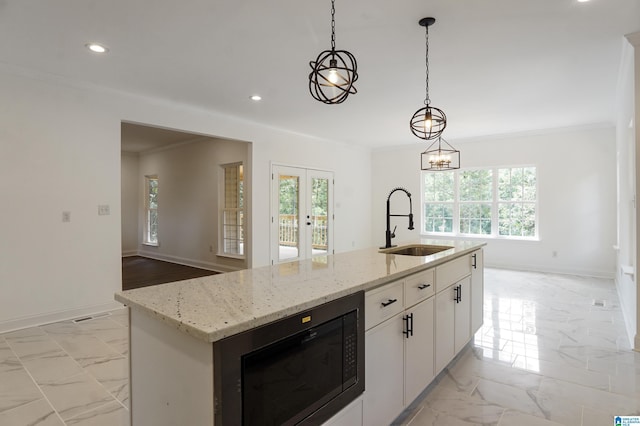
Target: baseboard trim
[
  {"x": 543, "y": 269},
  {"x": 210, "y": 266},
  {"x": 48, "y": 318},
  {"x": 628, "y": 321},
  {"x": 129, "y": 253}
]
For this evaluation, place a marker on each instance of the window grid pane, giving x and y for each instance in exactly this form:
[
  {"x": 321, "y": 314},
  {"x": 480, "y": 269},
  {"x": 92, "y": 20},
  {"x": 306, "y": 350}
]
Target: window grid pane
[
  {"x": 233, "y": 212},
  {"x": 438, "y": 217},
  {"x": 151, "y": 206},
  {"x": 516, "y": 206},
  {"x": 475, "y": 218}
]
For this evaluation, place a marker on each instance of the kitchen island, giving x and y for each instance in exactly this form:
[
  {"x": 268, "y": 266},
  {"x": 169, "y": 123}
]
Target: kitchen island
[{"x": 174, "y": 327}]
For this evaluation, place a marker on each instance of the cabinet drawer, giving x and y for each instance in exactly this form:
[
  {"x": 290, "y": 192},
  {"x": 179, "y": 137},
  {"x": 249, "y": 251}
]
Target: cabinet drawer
[
  {"x": 452, "y": 272},
  {"x": 418, "y": 287},
  {"x": 382, "y": 303}
]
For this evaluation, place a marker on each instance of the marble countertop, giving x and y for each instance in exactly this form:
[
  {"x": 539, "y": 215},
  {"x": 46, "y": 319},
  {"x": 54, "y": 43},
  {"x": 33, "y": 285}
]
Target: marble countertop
[{"x": 217, "y": 306}]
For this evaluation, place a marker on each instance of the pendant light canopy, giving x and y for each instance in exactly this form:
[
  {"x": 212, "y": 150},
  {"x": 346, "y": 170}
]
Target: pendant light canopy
[
  {"x": 429, "y": 122},
  {"x": 440, "y": 157},
  {"x": 333, "y": 72}
]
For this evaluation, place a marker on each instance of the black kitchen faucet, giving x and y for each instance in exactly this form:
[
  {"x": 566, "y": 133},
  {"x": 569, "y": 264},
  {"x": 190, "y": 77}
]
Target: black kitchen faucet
[{"x": 389, "y": 235}]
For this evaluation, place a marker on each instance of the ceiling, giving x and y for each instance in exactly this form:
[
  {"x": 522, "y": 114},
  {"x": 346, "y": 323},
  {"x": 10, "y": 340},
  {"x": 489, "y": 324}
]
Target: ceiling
[{"x": 496, "y": 66}]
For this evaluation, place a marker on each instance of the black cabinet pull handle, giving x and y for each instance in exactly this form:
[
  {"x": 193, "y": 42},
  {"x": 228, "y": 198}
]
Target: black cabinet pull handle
[
  {"x": 408, "y": 325},
  {"x": 475, "y": 261},
  {"x": 455, "y": 294},
  {"x": 423, "y": 286},
  {"x": 411, "y": 320},
  {"x": 459, "y": 293},
  {"x": 389, "y": 302}
]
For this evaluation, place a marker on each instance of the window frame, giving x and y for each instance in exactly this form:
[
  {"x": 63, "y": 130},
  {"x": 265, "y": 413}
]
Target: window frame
[
  {"x": 495, "y": 203},
  {"x": 146, "y": 240},
  {"x": 240, "y": 212}
]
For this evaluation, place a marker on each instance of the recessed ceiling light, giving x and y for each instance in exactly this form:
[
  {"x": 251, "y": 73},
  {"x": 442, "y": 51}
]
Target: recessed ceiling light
[
  {"x": 97, "y": 48},
  {"x": 582, "y": 1},
  {"x": 256, "y": 98}
]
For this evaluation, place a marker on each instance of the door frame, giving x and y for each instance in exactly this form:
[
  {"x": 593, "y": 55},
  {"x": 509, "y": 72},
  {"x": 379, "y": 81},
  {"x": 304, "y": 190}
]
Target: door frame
[{"x": 307, "y": 172}]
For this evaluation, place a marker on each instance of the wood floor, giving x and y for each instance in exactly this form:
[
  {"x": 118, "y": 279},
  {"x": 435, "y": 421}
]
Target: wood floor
[{"x": 140, "y": 271}]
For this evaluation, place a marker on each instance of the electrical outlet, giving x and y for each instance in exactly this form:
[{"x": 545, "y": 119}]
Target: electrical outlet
[
  {"x": 66, "y": 216},
  {"x": 554, "y": 254},
  {"x": 211, "y": 249}
]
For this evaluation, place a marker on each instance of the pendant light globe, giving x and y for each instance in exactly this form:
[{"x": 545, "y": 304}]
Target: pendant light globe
[
  {"x": 429, "y": 122},
  {"x": 334, "y": 72}
]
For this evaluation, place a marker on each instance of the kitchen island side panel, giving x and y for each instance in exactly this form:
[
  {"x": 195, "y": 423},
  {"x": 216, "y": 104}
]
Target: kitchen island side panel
[{"x": 171, "y": 375}]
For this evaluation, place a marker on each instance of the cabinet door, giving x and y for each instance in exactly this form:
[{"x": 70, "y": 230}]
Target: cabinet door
[
  {"x": 477, "y": 290},
  {"x": 418, "y": 352},
  {"x": 384, "y": 373},
  {"x": 445, "y": 328},
  {"x": 462, "y": 321}
]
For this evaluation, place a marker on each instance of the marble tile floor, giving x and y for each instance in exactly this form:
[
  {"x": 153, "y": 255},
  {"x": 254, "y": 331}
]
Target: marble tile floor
[
  {"x": 66, "y": 373},
  {"x": 545, "y": 356}
]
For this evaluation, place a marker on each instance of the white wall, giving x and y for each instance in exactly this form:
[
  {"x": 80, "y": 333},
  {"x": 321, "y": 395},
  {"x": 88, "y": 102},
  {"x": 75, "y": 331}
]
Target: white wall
[
  {"x": 60, "y": 151},
  {"x": 576, "y": 177},
  {"x": 129, "y": 202},
  {"x": 188, "y": 182}
]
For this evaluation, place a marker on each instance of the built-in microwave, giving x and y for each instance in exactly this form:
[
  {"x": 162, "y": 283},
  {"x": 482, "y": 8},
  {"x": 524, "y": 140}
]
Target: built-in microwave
[{"x": 299, "y": 370}]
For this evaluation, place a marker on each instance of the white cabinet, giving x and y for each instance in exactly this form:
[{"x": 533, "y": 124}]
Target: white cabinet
[
  {"x": 462, "y": 321},
  {"x": 445, "y": 328},
  {"x": 383, "y": 395},
  {"x": 351, "y": 415},
  {"x": 398, "y": 349},
  {"x": 418, "y": 350},
  {"x": 477, "y": 290},
  {"x": 453, "y": 321},
  {"x": 415, "y": 327}
]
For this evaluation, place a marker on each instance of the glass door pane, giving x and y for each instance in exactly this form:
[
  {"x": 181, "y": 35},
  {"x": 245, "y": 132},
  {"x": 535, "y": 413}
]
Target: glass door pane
[
  {"x": 319, "y": 216},
  {"x": 289, "y": 212}
]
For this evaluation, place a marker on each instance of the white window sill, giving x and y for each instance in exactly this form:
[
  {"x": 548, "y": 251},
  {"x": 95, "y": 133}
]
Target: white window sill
[
  {"x": 151, "y": 244},
  {"x": 479, "y": 237}
]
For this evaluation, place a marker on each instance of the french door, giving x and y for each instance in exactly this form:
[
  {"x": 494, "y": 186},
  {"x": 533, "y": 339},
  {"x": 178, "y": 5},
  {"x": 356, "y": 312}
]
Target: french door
[{"x": 301, "y": 213}]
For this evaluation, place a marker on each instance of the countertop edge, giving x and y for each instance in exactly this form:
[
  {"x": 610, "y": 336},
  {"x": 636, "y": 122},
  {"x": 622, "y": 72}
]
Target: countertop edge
[{"x": 253, "y": 322}]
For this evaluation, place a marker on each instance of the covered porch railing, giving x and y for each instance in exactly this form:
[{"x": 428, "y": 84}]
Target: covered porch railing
[{"x": 288, "y": 226}]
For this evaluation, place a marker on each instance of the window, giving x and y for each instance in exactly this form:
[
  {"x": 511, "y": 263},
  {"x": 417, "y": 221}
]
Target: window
[
  {"x": 517, "y": 202},
  {"x": 438, "y": 190},
  {"x": 233, "y": 211},
  {"x": 151, "y": 210},
  {"x": 496, "y": 202},
  {"x": 476, "y": 189}
]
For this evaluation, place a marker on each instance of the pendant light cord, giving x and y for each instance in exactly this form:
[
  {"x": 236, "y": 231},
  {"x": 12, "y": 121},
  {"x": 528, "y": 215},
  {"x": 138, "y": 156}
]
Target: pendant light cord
[
  {"x": 333, "y": 25},
  {"x": 427, "y": 101}
]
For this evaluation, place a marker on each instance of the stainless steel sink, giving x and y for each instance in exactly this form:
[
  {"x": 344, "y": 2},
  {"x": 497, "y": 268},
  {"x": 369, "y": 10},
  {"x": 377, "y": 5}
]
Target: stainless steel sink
[{"x": 416, "y": 250}]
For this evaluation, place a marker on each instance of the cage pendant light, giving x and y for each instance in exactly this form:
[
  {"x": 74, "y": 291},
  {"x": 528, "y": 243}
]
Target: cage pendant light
[
  {"x": 429, "y": 122},
  {"x": 333, "y": 72},
  {"x": 440, "y": 156}
]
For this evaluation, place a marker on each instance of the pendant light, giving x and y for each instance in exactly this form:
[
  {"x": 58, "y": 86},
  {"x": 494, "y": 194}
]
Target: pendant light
[
  {"x": 429, "y": 122},
  {"x": 440, "y": 157},
  {"x": 333, "y": 72}
]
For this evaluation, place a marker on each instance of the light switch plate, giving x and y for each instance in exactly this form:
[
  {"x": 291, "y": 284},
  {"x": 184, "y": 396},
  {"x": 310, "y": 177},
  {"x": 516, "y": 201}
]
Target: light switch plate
[
  {"x": 103, "y": 210},
  {"x": 66, "y": 216}
]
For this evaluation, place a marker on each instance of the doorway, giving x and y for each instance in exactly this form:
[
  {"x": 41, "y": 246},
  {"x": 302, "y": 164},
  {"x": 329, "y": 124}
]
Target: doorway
[{"x": 301, "y": 213}]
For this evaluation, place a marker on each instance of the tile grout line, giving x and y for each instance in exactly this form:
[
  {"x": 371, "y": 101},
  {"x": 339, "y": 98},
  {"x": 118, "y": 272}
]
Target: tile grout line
[{"x": 44, "y": 396}]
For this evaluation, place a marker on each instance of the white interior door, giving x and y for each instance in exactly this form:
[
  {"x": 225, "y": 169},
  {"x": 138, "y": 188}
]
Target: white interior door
[{"x": 301, "y": 213}]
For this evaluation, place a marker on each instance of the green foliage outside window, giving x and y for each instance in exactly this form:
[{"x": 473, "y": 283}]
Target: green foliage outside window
[
  {"x": 476, "y": 196},
  {"x": 517, "y": 201},
  {"x": 438, "y": 202}
]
